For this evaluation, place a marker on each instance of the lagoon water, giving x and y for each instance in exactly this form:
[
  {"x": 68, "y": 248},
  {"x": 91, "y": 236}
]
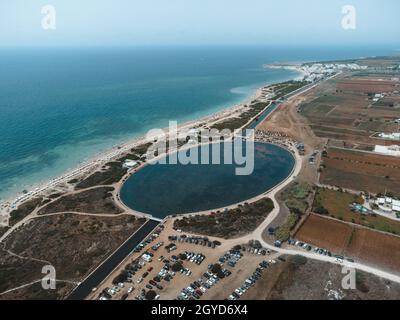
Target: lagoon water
[
  {"x": 166, "y": 189},
  {"x": 59, "y": 107}
]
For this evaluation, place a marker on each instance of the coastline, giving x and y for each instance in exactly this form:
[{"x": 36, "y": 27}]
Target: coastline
[
  {"x": 295, "y": 67},
  {"x": 93, "y": 164}
]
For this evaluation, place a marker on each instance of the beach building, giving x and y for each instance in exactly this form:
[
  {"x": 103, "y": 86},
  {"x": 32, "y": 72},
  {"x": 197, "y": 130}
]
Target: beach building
[
  {"x": 390, "y": 136},
  {"x": 130, "y": 164},
  {"x": 388, "y": 204},
  {"x": 389, "y": 151}
]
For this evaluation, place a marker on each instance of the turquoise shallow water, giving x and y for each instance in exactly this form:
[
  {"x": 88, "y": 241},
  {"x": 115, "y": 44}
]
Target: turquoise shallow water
[
  {"x": 191, "y": 188},
  {"x": 59, "y": 107}
]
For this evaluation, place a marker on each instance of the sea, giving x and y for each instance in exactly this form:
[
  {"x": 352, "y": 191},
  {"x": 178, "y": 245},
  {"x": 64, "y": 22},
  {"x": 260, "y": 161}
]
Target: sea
[{"x": 60, "y": 107}]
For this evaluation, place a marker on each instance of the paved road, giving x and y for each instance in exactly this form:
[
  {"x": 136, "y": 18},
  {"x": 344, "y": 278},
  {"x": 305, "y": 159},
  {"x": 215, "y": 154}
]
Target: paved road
[{"x": 102, "y": 271}]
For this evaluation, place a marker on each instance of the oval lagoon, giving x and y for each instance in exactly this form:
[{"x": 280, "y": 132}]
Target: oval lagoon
[{"x": 162, "y": 190}]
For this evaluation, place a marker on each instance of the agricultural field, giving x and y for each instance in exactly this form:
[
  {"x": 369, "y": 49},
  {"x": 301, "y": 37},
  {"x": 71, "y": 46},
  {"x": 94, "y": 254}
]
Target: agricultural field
[
  {"x": 344, "y": 109},
  {"x": 325, "y": 233},
  {"x": 361, "y": 171},
  {"x": 389, "y": 102},
  {"x": 337, "y": 203},
  {"x": 363, "y": 245},
  {"x": 376, "y": 248},
  {"x": 368, "y": 86}
]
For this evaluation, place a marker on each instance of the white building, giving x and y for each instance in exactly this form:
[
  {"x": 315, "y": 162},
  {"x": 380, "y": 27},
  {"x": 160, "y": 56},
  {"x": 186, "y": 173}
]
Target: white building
[
  {"x": 388, "y": 204},
  {"x": 390, "y": 136},
  {"x": 130, "y": 164},
  {"x": 389, "y": 151},
  {"x": 396, "y": 206}
]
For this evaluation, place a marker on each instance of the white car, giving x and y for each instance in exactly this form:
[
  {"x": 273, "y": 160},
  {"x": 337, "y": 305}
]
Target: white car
[
  {"x": 130, "y": 289},
  {"x": 204, "y": 290},
  {"x": 184, "y": 295},
  {"x": 238, "y": 292}
]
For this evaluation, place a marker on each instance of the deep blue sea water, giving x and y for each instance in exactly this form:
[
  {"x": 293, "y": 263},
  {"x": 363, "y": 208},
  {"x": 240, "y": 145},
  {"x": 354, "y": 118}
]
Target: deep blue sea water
[
  {"x": 162, "y": 190},
  {"x": 59, "y": 107}
]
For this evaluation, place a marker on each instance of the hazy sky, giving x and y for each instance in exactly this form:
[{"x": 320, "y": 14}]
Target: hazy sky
[{"x": 188, "y": 22}]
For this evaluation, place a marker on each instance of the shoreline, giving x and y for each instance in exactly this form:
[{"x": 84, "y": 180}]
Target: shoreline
[{"x": 88, "y": 167}]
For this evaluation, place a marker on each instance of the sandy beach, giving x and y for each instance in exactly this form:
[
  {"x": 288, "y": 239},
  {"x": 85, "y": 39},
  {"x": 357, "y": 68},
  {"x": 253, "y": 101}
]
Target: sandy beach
[{"x": 60, "y": 184}]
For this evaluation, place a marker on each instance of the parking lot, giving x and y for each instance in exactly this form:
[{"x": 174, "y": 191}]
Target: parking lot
[
  {"x": 172, "y": 265},
  {"x": 243, "y": 270},
  {"x": 154, "y": 266}
]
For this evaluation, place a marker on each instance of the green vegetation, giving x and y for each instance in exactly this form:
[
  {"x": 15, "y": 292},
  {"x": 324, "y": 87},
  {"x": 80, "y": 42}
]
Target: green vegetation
[
  {"x": 97, "y": 200},
  {"x": 111, "y": 174},
  {"x": 361, "y": 284},
  {"x": 121, "y": 277},
  {"x": 177, "y": 266},
  {"x": 142, "y": 149},
  {"x": 36, "y": 292},
  {"x": 298, "y": 260},
  {"x": 283, "y": 232},
  {"x": 150, "y": 295},
  {"x": 74, "y": 244},
  {"x": 285, "y": 88},
  {"x": 295, "y": 197},
  {"x": 3, "y": 230},
  {"x": 337, "y": 204},
  {"x": 321, "y": 210},
  {"x": 23, "y": 210},
  {"x": 228, "y": 224},
  {"x": 236, "y": 123}
]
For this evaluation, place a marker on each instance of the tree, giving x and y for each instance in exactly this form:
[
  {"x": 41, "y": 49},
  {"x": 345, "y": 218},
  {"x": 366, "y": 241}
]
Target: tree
[
  {"x": 150, "y": 295},
  {"x": 182, "y": 256},
  {"x": 217, "y": 269},
  {"x": 122, "y": 277},
  {"x": 321, "y": 210},
  {"x": 177, "y": 266}
]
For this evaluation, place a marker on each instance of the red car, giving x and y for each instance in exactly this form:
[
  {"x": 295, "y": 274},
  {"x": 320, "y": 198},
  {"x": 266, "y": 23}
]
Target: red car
[
  {"x": 199, "y": 292},
  {"x": 153, "y": 283},
  {"x": 150, "y": 269}
]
